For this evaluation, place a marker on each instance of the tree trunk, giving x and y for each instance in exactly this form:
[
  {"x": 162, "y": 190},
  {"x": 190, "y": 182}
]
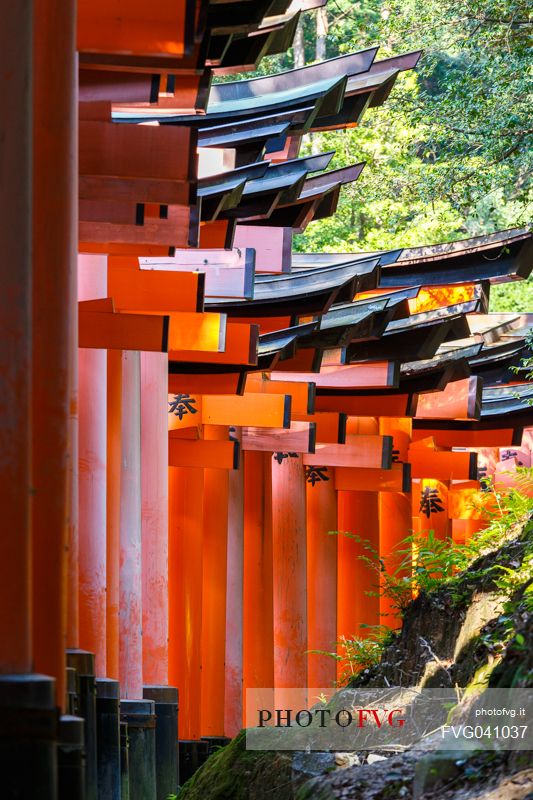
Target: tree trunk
[
  {"x": 298, "y": 48},
  {"x": 322, "y": 26}
]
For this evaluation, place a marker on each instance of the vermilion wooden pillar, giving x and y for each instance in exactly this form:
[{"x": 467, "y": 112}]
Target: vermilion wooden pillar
[
  {"x": 154, "y": 515},
  {"x": 289, "y": 572},
  {"x": 258, "y": 645},
  {"x": 92, "y": 388},
  {"x": 358, "y": 514},
  {"x": 321, "y": 574},
  {"x": 186, "y": 499},
  {"x": 16, "y": 336},
  {"x": 395, "y": 511},
  {"x": 55, "y": 201},
  {"x": 233, "y": 699},
  {"x": 130, "y": 595},
  {"x": 215, "y": 539},
  {"x": 430, "y": 507},
  {"x": 114, "y": 461}
]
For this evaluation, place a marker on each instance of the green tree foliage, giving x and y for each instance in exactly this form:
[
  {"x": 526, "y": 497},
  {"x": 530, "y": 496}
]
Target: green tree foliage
[{"x": 449, "y": 154}]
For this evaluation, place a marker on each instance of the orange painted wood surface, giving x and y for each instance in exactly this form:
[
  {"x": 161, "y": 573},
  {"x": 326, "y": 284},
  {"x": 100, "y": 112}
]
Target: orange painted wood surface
[
  {"x": 470, "y": 504},
  {"x": 240, "y": 347},
  {"x": 299, "y": 438},
  {"x": 133, "y": 289},
  {"x": 497, "y": 437},
  {"x": 203, "y": 453},
  {"x": 357, "y": 515},
  {"x": 459, "y": 400},
  {"x": 430, "y": 507},
  {"x": 102, "y": 330},
  {"x": 231, "y": 383},
  {"x": 178, "y": 229},
  {"x": 258, "y": 624},
  {"x": 92, "y": 388},
  {"x": 154, "y": 517},
  {"x": 302, "y": 394},
  {"x": 130, "y": 580},
  {"x": 373, "y": 452},
  {"x": 107, "y": 27},
  {"x": 368, "y": 375},
  {"x": 142, "y": 151},
  {"x": 395, "y": 525},
  {"x": 289, "y": 534},
  {"x": 257, "y": 410},
  {"x": 186, "y": 493},
  {"x": 214, "y": 560},
  {"x": 393, "y": 405},
  {"x": 396, "y": 479},
  {"x": 443, "y": 465},
  {"x": 16, "y": 42},
  {"x": 330, "y": 426},
  {"x": 114, "y": 458},
  {"x": 321, "y": 576},
  {"x": 54, "y": 322},
  {"x": 233, "y": 699}
]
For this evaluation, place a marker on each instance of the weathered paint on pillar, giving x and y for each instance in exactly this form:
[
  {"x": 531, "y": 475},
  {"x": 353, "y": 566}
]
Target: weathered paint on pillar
[
  {"x": 154, "y": 515},
  {"x": 321, "y": 574},
  {"x": 16, "y": 43},
  {"x": 233, "y": 699},
  {"x": 186, "y": 493},
  {"x": 289, "y": 571},
  {"x": 114, "y": 461},
  {"x": 92, "y": 388},
  {"x": 130, "y": 596},
  {"x": 55, "y": 205}
]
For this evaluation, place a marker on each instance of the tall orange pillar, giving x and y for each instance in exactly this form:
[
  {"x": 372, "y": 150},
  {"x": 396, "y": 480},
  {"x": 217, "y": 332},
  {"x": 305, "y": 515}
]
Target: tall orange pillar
[
  {"x": 130, "y": 595},
  {"x": 289, "y": 571},
  {"x": 22, "y": 696},
  {"x": 358, "y": 514},
  {"x": 214, "y": 558},
  {"x": 186, "y": 500},
  {"x": 395, "y": 511},
  {"x": 55, "y": 204},
  {"x": 258, "y": 624},
  {"x": 154, "y": 516},
  {"x": 233, "y": 697},
  {"x": 321, "y": 574},
  {"x": 92, "y": 388},
  {"x": 114, "y": 461},
  {"x": 430, "y": 508},
  {"x": 16, "y": 335}
]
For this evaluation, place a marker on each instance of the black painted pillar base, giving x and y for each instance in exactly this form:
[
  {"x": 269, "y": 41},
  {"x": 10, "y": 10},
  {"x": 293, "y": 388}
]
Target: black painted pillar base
[
  {"x": 166, "y": 734},
  {"x": 140, "y": 717},
  {"x": 71, "y": 758},
  {"x": 192, "y": 754},
  {"x": 108, "y": 738},
  {"x": 215, "y": 742},
  {"x": 83, "y": 662},
  {"x": 124, "y": 762},
  {"x": 28, "y": 737}
]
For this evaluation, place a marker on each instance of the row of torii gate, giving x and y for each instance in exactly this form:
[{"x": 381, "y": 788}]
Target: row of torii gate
[{"x": 188, "y": 409}]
